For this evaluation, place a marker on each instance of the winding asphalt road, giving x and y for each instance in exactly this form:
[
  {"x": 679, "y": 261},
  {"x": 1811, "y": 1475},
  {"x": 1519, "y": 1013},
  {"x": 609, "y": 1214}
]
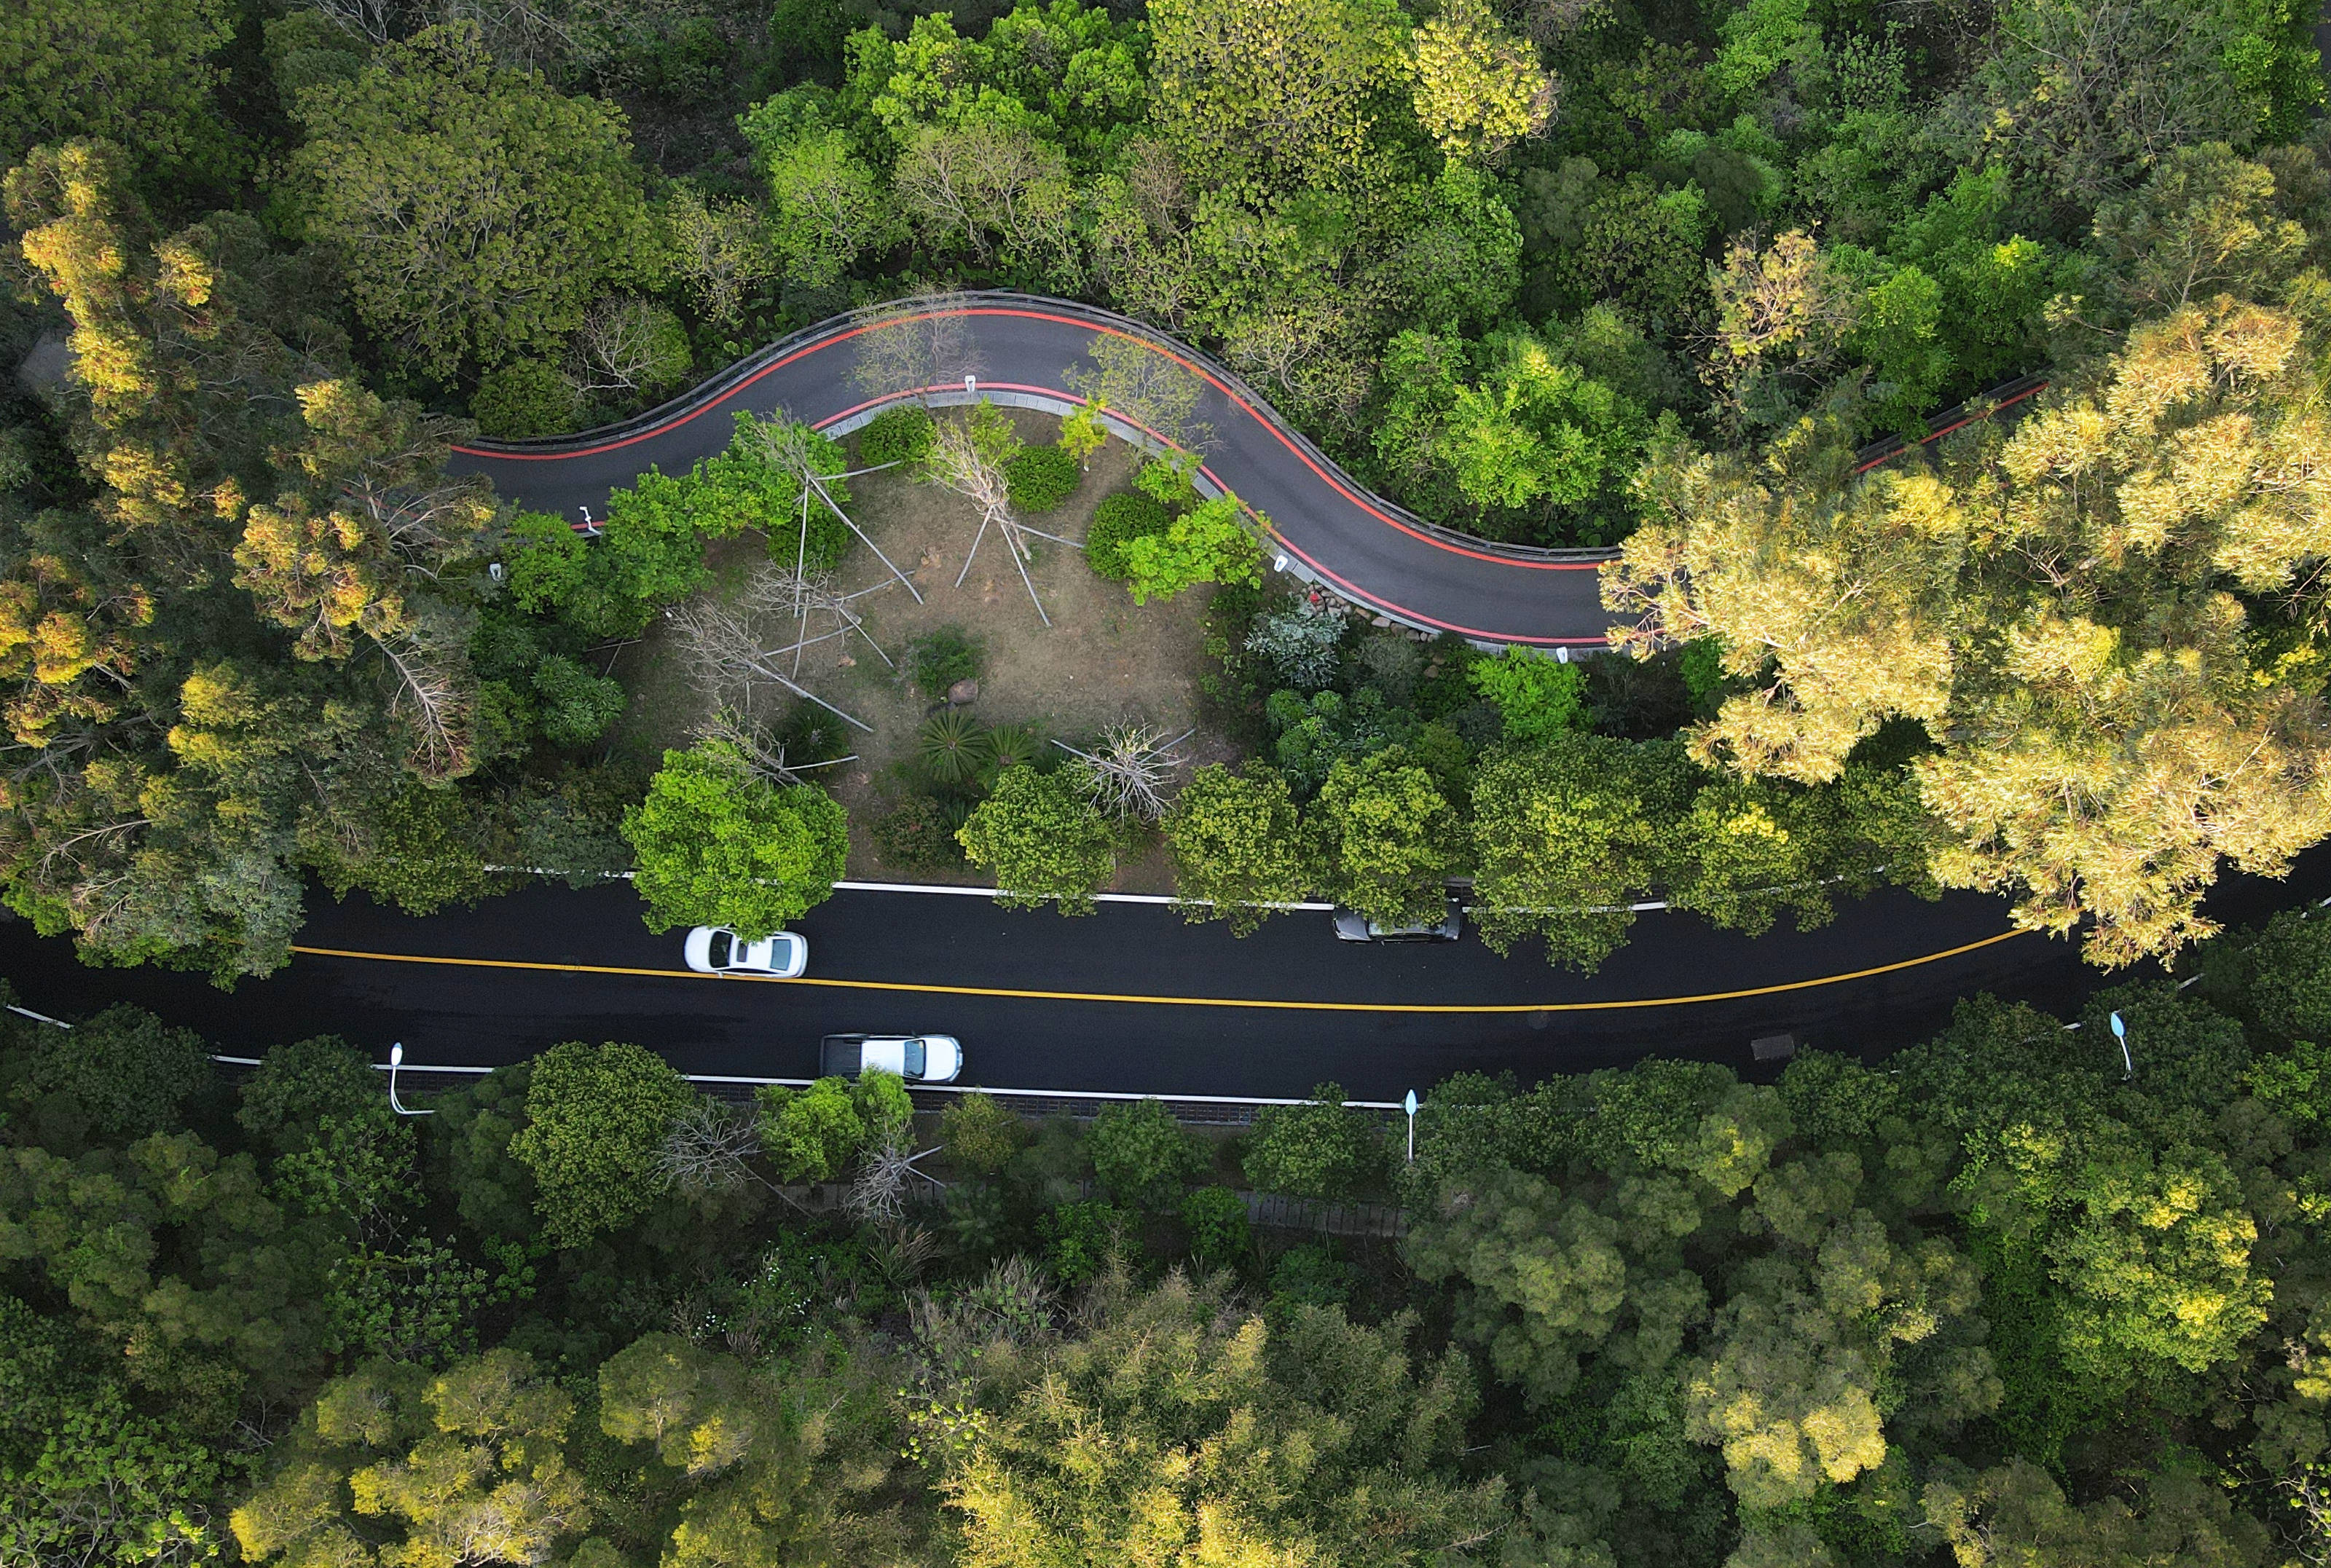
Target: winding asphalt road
[{"x": 1025, "y": 348}]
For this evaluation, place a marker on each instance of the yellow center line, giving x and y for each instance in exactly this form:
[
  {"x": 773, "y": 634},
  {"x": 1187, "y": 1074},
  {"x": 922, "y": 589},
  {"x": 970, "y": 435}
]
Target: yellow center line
[{"x": 1189, "y": 1001}]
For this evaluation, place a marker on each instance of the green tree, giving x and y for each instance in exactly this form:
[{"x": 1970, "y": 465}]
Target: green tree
[
  {"x": 1216, "y": 1434},
  {"x": 142, "y": 76},
  {"x": 2144, "y": 77},
  {"x": 111, "y": 1080},
  {"x": 1266, "y": 97},
  {"x": 810, "y": 1135},
  {"x": 472, "y": 1462},
  {"x": 520, "y": 398},
  {"x": 1039, "y": 835},
  {"x": 1141, "y": 1154},
  {"x": 1565, "y": 838},
  {"x": 1391, "y": 839},
  {"x": 1316, "y": 1150},
  {"x": 596, "y": 1120},
  {"x": 477, "y": 211},
  {"x": 720, "y": 846},
  {"x": 1238, "y": 846},
  {"x": 1478, "y": 89}
]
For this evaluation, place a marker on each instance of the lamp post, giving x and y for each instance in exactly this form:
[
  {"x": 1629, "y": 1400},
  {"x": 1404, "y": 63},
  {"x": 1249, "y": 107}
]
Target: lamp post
[
  {"x": 395, "y": 1060},
  {"x": 1408, "y": 1103},
  {"x": 2128, "y": 1062}
]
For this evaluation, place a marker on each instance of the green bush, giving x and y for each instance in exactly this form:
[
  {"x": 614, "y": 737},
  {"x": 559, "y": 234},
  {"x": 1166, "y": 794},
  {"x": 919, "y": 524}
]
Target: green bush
[
  {"x": 944, "y": 657},
  {"x": 524, "y": 399},
  {"x": 1007, "y": 746},
  {"x": 915, "y": 835},
  {"x": 1141, "y": 1154},
  {"x": 576, "y": 706},
  {"x": 947, "y": 747},
  {"x": 882, "y": 1105},
  {"x": 1539, "y": 695},
  {"x": 1042, "y": 477},
  {"x": 1117, "y": 523},
  {"x": 900, "y": 435},
  {"x": 811, "y": 1134},
  {"x": 1082, "y": 1240},
  {"x": 980, "y": 1133},
  {"x": 1318, "y": 1150},
  {"x": 1217, "y": 1222}
]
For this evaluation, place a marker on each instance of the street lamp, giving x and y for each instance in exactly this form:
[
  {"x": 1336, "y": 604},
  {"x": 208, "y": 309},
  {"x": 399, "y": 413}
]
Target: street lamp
[
  {"x": 1408, "y": 1103},
  {"x": 395, "y": 1060},
  {"x": 2120, "y": 1034}
]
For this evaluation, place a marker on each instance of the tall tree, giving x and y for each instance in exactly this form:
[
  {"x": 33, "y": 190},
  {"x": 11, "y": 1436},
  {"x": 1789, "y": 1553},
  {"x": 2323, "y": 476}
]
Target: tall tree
[{"x": 476, "y": 211}]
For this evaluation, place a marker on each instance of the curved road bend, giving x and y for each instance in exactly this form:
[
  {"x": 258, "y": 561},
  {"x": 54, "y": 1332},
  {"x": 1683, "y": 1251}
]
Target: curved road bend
[
  {"x": 1366, "y": 547},
  {"x": 1362, "y": 544},
  {"x": 1129, "y": 999}
]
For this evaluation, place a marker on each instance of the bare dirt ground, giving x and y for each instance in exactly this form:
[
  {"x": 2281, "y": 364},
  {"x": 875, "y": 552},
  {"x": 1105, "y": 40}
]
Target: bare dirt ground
[{"x": 1104, "y": 659}]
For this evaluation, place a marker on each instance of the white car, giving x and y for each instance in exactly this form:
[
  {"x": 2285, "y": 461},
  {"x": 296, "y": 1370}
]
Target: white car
[
  {"x": 917, "y": 1058},
  {"x": 718, "y": 950}
]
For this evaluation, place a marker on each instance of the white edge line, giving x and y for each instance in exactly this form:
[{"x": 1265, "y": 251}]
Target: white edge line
[
  {"x": 1065, "y": 1094},
  {"x": 937, "y": 887}
]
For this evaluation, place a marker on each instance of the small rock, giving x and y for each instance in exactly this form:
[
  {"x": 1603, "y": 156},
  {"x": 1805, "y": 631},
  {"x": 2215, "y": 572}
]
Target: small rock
[{"x": 963, "y": 691}]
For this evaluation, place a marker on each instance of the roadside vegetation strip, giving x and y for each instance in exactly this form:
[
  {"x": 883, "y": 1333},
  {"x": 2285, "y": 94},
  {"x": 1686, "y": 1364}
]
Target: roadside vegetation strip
[{"x": 1268, "y": 1004}]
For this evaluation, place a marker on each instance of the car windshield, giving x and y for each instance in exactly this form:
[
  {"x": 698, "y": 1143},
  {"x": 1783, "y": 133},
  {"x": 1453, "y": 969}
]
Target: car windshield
[
  {"x": 914, "y": 1059},
  {"x": 720, "y": 949}
]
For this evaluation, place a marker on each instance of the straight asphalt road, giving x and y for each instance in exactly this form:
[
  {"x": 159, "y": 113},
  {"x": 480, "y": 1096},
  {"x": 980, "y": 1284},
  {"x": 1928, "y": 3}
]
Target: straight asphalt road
[{"x": 1131, "y": 999}]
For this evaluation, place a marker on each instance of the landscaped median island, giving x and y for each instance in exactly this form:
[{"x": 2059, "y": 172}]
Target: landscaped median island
[{"x": 1022, "y": 653}]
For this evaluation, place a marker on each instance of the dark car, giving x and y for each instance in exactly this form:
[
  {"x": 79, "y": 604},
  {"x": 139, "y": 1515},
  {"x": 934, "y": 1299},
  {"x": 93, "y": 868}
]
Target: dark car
[{"x": 1351, "y": 925}]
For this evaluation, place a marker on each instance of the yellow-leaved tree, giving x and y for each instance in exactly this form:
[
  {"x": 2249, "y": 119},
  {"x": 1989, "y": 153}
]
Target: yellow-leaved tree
[{"x": 2071, "y": 609}]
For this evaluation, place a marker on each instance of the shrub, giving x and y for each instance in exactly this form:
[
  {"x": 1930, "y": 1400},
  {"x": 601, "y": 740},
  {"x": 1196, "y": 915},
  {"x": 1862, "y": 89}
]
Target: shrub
[
  {"x": 1042, "y": 477},
  {"x": 1318, "y": 1150},
  {"x": 810, "y": 1134},
  {"x": 882, "y": 1105},
  {"x": 524, "y": 399},
  {"x": 915, "y": 835},
  {"x": 1117, "y": 522},
  {"x": 1141, "y": 1154},
  {"x": 1007, "y": 746},
  {"x": 1300, "y": 645},
  {"x": 1310, "y": 1275},
  {"x": 900, "y": 435},
  {"x": 1082, "y": 1240},
  {"x": 948, "y": 747},
  {"x": 578, "y": 707},
  {"x": 1539, "y": 695},
  {"x": 943, "y": 658},
  {"x": 1217, "y": 1221},
  {"x": 980, "y": 1133}
]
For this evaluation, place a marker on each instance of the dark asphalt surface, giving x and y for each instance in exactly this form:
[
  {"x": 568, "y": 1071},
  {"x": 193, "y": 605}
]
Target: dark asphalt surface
[
  {"x": 1364, "y": 545},
  {"x": 483, "y": 1016}
]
